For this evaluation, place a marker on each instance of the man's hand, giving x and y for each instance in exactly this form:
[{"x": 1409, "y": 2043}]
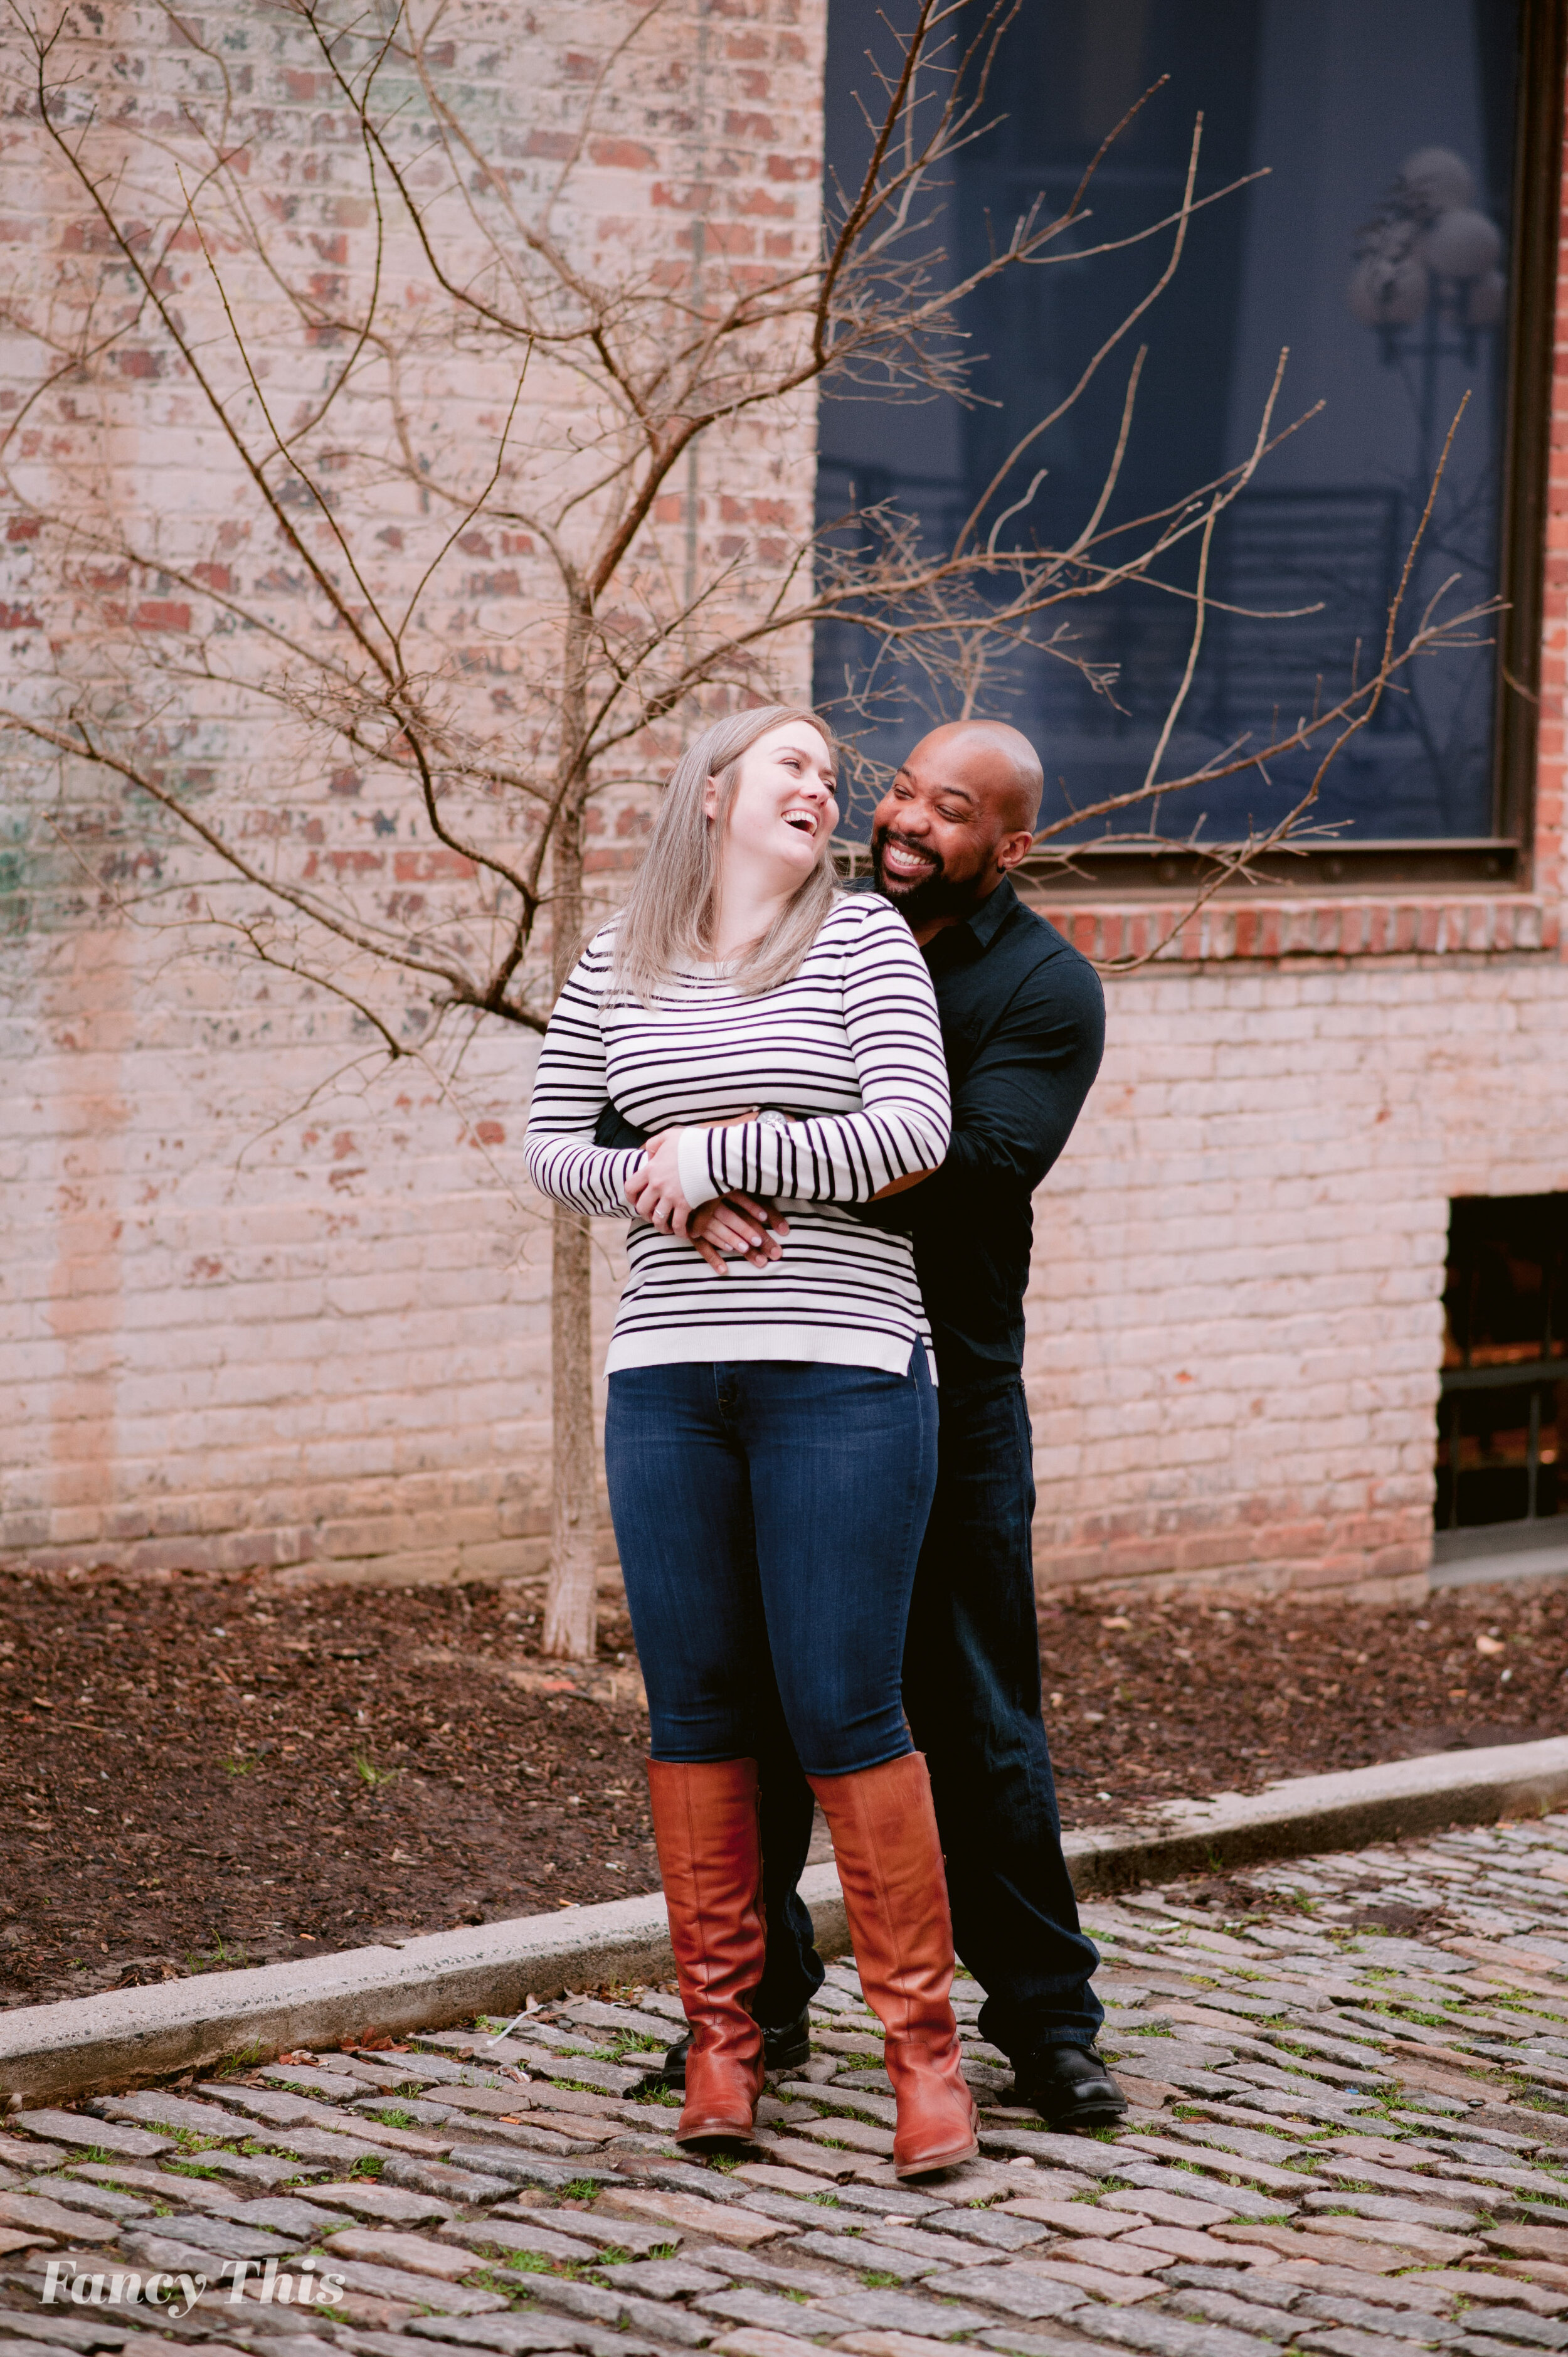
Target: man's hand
[
  {"x": 653, "y": 1190},
  {"x": 737, "y": 1227}
]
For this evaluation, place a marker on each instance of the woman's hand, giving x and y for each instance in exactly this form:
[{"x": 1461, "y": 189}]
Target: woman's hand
[
  {"x": 653, "y": 1190},
  {"x": 736, "y": 1227}
]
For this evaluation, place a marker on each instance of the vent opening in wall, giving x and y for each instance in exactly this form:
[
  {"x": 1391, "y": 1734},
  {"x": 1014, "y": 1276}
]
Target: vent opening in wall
[{"x": 1502, "y": 1412}]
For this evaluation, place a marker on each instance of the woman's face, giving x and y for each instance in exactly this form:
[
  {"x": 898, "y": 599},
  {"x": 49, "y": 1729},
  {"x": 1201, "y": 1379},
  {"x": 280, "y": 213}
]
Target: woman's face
[{"x": 783, "y": 810}]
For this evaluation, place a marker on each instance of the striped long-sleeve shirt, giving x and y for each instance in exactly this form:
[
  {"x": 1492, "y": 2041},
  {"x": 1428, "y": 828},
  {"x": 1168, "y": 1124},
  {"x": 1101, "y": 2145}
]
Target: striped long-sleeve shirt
[{"x": 844, "y": 1063}]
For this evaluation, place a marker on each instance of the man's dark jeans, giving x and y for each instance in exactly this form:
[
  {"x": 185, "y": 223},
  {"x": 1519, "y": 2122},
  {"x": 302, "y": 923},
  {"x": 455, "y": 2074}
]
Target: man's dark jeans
[{"x": 971, "y": 1691}]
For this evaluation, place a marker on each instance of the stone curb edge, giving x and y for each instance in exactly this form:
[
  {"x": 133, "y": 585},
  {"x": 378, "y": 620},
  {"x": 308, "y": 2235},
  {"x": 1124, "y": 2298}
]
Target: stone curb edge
[{"x": 86, "y": 2044}]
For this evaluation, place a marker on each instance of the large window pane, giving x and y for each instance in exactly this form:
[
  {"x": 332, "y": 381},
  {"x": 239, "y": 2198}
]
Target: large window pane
[{"x": 1377, "y": 249}]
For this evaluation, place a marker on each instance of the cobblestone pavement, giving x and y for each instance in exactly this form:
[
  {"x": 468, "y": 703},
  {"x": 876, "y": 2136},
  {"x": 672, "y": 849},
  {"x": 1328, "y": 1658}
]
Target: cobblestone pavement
[{"x": 1342, "y": 2142}]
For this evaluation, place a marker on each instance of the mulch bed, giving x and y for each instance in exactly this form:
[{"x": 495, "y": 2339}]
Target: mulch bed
[
  {"x": 198, "y": 1774},
  {"x": 1157, "y": 1704}
]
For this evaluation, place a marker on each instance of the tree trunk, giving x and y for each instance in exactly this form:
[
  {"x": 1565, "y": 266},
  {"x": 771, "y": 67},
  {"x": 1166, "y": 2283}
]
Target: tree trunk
[{"x": 571, "y": 1602}]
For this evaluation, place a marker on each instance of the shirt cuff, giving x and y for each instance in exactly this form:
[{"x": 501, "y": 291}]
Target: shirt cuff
[{"x": 691, "y": 1162}]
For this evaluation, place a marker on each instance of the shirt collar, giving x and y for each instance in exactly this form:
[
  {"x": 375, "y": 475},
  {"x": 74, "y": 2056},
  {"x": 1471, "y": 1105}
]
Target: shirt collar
[
  {"x": 993, "y": 913},
  {"x": 982, "y": 928},
  {"x": 970, "y": 939}
]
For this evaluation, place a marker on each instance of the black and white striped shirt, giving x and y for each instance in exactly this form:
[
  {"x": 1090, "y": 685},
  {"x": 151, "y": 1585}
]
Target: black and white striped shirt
[{"x": 845, "y": 1063}]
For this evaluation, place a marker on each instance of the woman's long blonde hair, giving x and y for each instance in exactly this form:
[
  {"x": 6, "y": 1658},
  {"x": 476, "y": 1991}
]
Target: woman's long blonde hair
[{"x": 668, "y": 920}]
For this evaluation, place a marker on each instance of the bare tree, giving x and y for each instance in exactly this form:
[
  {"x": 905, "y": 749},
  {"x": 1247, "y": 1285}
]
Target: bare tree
[{"x": 458, "y": 437}]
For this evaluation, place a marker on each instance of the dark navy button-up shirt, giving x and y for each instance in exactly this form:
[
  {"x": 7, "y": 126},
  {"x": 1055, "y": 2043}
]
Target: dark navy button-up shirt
[{"x": 1023, "y": 1019}]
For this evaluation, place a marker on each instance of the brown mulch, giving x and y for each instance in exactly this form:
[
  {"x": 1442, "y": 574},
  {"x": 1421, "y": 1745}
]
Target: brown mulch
[
  {"x": 196, "y": 1774},
  {"x": 1158, "y": 1703}
]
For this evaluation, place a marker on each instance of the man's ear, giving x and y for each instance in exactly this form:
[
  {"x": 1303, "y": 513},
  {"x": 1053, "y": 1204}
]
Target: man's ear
[{"x": 1013, "y": 847}]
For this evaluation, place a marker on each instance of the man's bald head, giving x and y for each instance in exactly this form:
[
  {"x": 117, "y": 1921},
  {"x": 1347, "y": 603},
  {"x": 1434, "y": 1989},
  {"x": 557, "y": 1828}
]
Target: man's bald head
[
  {"x": 958, "y": 815},
  {"x": 994, "y": 760}
]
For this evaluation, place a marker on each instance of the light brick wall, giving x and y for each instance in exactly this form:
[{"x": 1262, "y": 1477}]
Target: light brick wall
[
  {"x": 264, "y": 1302},
  {"x": 253, "y": 1316},
  {"x": 1235, "y": 1318},
  {"x": 238, "y": 1332}
]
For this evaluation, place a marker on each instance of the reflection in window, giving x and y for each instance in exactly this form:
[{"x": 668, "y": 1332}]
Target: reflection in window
[
  {"x": 1503, "y": 1411},
  {"x": 1376, "y": 248}
]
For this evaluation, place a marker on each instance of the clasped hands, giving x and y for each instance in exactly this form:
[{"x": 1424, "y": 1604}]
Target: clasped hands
[{"x": 729, "y": 1227}]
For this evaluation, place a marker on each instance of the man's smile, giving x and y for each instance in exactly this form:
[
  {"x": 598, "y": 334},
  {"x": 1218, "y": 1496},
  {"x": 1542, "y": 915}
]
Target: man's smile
[{"x": 907, "y": 860}]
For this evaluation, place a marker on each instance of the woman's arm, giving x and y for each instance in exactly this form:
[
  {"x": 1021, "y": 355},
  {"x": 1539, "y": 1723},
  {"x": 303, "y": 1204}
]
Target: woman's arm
[
  {"x": 569, "y": 1093},
  {"x": 901, "y": 1131}
]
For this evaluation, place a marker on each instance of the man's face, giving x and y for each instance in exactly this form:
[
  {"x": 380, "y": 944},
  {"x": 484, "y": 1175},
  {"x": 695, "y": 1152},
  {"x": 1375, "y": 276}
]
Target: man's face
[{"x": 936, "y": 834}]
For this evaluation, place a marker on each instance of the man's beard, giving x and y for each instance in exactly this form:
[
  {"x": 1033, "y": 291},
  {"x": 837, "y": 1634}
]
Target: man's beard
[{"x": 934, "y": 894}]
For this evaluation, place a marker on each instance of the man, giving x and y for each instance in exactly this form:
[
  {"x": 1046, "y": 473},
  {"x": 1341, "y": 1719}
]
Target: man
[{"x": 1023, "y": 1025}]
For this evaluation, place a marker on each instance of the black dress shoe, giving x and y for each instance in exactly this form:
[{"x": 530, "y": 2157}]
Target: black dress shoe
[
  {"x": 1069, "y": 2087},
  {"x": 788, "y": 2048}
]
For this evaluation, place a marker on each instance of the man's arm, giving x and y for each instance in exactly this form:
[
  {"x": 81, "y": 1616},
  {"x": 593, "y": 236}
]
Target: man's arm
[
  {"x": 1014, "y": 1109},
  {"x": 613, "y": 1129}
]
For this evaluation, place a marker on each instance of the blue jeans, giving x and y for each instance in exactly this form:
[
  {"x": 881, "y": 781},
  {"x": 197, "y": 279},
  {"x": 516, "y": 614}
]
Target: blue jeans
[
  {"x": 768, "y": 1514},
  {"x": 971, "y": 1689}
]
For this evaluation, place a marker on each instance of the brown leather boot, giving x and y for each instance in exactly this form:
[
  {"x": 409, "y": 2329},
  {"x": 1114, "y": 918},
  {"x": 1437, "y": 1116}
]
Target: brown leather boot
[
  {"x": 890, "y": 1865},
  {"x": 710, "y": 1856}
]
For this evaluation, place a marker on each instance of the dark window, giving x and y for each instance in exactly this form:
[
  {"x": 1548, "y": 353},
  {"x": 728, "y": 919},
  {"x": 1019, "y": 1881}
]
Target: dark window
[
  {"x": 1402, "y": 247},
  {"x": 1503, "y": 1412}
]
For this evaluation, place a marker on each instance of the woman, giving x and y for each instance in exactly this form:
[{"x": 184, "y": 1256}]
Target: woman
[{"x": 770, "y": 1440}]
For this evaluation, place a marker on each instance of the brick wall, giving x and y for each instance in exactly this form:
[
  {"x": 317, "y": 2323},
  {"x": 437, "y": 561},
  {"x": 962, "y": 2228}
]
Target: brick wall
[
  {"x": 1235, "y": 1327},
  {"x": 261, "y": 1308},
  {"x": 1235, "y": 1315},
  {"x": 265, "y": 1302}
]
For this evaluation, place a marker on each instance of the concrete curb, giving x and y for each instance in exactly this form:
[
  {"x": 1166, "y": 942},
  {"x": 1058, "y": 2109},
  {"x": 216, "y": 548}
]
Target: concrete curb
[
  {"x": 1315, "y": 1813},
  {"x": 140, "y": 2034},
  {"x": 135, "y": 2035}
]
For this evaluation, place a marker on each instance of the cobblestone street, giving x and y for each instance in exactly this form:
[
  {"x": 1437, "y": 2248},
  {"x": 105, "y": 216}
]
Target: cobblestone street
[{"x": 1342, "y": 2141}]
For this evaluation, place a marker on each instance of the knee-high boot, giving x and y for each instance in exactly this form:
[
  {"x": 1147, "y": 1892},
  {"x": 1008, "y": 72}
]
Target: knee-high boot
[
  {"x": 890, "y": 1865},
  {"x": 709, "y": 1857}
]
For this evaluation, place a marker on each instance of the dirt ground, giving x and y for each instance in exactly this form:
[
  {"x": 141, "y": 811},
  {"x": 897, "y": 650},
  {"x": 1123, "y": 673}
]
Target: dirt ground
[
  {"x": 1153, "y": 1704},
  {"x": 198, "y": 1774}
]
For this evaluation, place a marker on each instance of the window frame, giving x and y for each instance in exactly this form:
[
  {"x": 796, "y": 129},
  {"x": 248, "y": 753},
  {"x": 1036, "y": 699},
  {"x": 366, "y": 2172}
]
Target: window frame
[{"x": 1506, "y": 858}]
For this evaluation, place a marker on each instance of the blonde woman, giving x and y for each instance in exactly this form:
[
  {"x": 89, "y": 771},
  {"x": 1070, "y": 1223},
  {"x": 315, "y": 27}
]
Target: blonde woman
[{"x": 771, "y": 1438}]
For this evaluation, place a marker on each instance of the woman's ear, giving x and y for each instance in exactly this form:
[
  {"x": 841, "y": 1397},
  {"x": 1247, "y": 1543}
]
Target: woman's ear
[{"x": 711, "y": 797}]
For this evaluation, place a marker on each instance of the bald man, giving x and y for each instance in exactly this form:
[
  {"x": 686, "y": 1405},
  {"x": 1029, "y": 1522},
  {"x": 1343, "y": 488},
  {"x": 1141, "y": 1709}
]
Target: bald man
[{"x": 1022, "y": 1021}]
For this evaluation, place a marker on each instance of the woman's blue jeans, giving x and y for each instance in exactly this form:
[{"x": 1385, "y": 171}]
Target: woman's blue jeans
[{"x": 769, "y": 1514}]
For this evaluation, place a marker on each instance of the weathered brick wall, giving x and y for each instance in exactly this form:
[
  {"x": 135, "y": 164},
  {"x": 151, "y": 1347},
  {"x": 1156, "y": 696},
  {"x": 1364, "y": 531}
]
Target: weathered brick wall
[
  {"x": 1235, "y": 1316},
  {"x": 265, "y": 1302},
  {"x": 256, "y": 1315}
]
